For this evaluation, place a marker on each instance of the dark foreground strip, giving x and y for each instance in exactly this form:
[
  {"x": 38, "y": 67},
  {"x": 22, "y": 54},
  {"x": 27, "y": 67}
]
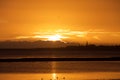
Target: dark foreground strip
[{"x": 58, "y": 59}]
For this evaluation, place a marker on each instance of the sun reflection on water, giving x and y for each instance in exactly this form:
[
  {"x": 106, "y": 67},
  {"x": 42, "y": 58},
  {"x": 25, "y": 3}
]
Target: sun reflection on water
[{"x": 54, "y": 76}]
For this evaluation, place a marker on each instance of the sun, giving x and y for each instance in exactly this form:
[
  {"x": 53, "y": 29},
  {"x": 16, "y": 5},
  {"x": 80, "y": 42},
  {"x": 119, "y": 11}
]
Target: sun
[{"x": 55, "y": 37}]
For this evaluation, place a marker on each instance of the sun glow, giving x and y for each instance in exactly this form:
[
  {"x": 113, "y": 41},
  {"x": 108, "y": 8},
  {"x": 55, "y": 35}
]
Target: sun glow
[{"x": 56, "y": 37}]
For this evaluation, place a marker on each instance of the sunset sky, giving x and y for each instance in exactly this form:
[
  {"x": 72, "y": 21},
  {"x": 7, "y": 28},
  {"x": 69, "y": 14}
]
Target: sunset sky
[{"x": 95, "y": 21}]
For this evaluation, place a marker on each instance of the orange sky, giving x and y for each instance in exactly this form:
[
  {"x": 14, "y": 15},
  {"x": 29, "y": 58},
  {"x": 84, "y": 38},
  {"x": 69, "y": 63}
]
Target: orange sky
[{"x": 96, "y": 21}]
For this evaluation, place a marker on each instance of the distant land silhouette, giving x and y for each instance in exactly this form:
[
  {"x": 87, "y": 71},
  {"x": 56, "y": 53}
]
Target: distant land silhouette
[
  {"x": 59, "y": 59},
  {"x": 58, "y": 45},
  {"x": 31, "y": 44},
  {"x": 56, "y": 51}
]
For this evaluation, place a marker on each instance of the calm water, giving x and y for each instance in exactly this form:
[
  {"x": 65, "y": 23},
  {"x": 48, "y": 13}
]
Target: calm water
[
  {"x": 65, "y": 70},
  {"x": 62, "y": 76},
  {"x": 59, "y": 54}
]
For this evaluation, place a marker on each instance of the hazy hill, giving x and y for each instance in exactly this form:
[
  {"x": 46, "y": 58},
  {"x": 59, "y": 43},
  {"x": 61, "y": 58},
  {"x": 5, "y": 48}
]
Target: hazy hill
[{"x": 34, "y": 44}]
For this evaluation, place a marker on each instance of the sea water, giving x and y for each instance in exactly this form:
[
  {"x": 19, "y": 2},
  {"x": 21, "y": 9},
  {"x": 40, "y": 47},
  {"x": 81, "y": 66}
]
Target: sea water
[{"x": 63, "y": 70}]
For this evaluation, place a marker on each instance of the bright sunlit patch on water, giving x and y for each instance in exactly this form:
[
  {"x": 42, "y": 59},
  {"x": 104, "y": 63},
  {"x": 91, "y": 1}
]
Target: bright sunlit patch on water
[
  {"x": 62, "y": 76},
  {"x": 54, "y": 76}
]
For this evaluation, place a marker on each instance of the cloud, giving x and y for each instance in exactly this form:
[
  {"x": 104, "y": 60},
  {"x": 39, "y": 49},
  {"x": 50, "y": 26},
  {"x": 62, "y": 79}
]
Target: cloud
[
  {"x": 91, "y": 35},
  {"x": 96, "y": 37},
  {"x": 22, "y": 37}
]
